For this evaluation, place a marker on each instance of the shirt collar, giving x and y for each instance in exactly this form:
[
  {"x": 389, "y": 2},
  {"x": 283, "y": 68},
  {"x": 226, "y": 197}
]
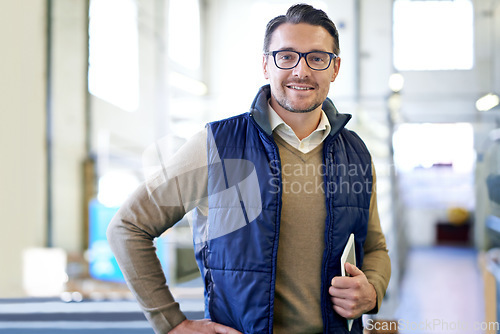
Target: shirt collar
[{"x": 275, "y": 120}]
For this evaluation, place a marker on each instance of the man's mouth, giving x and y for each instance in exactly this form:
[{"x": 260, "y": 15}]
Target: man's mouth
[{"x": 303, "y": 88}]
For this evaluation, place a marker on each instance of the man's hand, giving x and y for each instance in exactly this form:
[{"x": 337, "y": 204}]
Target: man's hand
[
  {"x": 202, "y": 326},
  {"x": 352, "y": 296}
]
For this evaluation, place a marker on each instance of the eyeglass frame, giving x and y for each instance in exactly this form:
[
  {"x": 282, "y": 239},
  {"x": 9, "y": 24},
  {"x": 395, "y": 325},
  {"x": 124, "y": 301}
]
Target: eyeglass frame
[{"x": 301, "y": 55}]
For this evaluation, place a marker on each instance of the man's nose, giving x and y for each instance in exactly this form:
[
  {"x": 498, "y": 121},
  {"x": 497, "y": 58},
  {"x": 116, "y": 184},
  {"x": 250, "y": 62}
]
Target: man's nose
[{"x": 302, "y": 69}]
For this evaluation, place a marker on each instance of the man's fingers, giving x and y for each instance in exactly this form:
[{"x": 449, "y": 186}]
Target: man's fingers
[
  {"x": 352, "y": 270},
  {"x": 343, "y": 282},
  {"x": 352, "y": 296},
  {"x": 343, "y": 312},
  {"x": 221, "y": 329},
  {"x": 338, "y": 292},
  {"x": 344, "y": 307},
  {"x": 202, "y": 326}
]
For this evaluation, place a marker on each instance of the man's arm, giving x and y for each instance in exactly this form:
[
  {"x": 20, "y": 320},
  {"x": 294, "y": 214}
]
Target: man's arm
[
  {"x": 364, "y": 290},
  {"x": 130, "y": 235},
  {"x": 155, "y": 206},
  {"x": 376, "y": 262}
]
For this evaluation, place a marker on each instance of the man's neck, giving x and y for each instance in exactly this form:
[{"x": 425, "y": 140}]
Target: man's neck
[{"x": 302, "y": 124}]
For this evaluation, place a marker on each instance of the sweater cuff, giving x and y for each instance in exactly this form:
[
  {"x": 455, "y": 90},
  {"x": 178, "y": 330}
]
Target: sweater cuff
[
  {"x": 379, "y": 290},
  {"x": 166, "y": 318}
]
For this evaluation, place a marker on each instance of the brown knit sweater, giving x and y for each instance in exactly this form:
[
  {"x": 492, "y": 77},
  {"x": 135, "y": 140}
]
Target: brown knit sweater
[
  {"x": 142, "y": 217},
  {"x": 301, "y": 243}
]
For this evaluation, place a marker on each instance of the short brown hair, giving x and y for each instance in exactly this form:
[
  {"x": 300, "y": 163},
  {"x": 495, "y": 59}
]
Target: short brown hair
[{"x": 303, "y": 13}]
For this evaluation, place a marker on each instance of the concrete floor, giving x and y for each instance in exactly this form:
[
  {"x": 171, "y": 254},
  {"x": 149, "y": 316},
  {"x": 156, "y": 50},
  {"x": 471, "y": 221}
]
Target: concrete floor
[{"x": 441, "y": 292}]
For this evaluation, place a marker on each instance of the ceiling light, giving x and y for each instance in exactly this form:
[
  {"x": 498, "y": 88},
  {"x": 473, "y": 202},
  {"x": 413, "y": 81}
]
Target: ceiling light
[
  {"x": 396, "y": 82},
  {"x": 487, "y": 102}
]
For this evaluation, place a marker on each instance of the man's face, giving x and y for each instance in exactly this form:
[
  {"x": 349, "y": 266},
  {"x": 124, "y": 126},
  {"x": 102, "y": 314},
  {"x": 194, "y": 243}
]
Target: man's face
[{"x": 300, "y": 89}]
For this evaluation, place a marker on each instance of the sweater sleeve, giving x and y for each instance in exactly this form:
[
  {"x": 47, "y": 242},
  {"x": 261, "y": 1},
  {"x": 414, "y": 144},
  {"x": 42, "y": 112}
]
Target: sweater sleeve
[
  {"x": 158, "y": 204},
  {"x": 376, "y": 263}
]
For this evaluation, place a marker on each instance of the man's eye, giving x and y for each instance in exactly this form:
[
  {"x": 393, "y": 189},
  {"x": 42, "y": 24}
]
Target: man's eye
[
  {"x": 285, "y": 56},
  {"x": 317, "y": 58}
]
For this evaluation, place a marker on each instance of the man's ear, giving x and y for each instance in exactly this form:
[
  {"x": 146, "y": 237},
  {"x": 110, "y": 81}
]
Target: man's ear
[
  {"x": 264, "y": 67},
  {"x": 336, "y": 64}
]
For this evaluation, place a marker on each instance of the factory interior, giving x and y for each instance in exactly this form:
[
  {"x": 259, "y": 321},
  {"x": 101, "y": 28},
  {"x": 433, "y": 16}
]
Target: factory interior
[{"x": 89, "y": 87}]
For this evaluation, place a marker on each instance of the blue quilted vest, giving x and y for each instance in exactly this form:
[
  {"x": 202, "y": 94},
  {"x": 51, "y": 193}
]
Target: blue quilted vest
[{"x": 236, "y": 245}]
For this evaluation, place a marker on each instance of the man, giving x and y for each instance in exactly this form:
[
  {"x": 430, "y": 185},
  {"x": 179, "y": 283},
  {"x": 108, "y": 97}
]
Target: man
[{"x": 276, "y": 193}]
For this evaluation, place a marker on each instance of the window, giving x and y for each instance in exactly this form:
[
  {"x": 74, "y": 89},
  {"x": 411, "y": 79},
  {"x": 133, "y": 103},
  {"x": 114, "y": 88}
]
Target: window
[
  {"x": 437, "y": 145},
  {"x": 435, "y": 166},
  {"x": 184, "y": 33},
  {"x": 114, "y": 52},
  {"x": 433, "y": 35}
]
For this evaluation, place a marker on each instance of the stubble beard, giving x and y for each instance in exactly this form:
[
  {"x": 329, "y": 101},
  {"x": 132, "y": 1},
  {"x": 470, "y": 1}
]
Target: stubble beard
[{"x": 285, "y": 104}]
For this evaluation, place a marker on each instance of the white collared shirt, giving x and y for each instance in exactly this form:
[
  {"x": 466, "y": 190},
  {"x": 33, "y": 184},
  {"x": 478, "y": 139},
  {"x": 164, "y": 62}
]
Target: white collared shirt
[{"x": 285, "y": 131}]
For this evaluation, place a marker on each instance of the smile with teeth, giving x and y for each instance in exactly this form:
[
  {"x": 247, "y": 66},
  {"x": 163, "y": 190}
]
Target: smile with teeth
[{"x": 300, "y": 88}]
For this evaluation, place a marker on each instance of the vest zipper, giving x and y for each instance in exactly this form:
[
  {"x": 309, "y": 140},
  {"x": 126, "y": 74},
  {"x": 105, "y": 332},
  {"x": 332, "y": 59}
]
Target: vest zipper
[
  {"x": 278, "y": 220},
  {"x": 325, "y": 281}
]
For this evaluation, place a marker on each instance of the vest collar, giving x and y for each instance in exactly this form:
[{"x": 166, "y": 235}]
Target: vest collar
[{"x": 259, "y": 109}]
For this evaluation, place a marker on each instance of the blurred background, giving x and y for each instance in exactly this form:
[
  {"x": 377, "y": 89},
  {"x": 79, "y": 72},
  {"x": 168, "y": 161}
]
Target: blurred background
[{"x": 88, "y": 86}]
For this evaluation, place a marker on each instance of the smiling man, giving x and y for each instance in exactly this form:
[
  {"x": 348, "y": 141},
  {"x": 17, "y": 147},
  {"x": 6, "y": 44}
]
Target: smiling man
[
  {"x": 300, "y": 81},
  {"x": 276, "y": 192}
]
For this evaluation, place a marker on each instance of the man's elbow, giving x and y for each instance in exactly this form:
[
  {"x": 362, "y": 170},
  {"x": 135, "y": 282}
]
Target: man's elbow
[{"x": 113, "y": 232}]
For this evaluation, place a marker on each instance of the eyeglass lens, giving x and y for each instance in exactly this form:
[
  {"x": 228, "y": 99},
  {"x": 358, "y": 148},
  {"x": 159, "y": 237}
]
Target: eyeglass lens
[{"x": 290, "y": 59}]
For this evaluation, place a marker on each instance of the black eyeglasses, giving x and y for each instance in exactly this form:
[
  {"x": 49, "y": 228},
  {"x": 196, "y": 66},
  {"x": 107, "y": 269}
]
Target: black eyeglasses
[{"x": 316, "y": 60}]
